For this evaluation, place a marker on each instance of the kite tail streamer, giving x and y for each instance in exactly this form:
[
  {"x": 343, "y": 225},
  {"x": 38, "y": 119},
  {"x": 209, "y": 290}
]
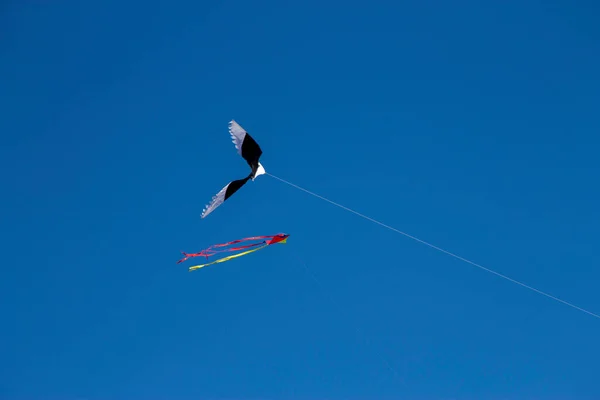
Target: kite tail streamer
[
  {"x": 272, "y": 239},
  {"x": 185, "y": 257},
  {"x": 220, "y": 260},
  {"x": 221, "y": 248}
]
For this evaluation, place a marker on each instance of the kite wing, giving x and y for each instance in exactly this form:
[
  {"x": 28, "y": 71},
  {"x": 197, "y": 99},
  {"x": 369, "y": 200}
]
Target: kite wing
[
  {"x": 251, "y": 152},
  {"x": 246, "y": 147},
  {"x": 223, "y": 195}
]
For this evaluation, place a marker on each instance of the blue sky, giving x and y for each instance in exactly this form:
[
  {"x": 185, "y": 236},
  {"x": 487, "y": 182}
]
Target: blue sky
[{"x": 472, "y": 126}]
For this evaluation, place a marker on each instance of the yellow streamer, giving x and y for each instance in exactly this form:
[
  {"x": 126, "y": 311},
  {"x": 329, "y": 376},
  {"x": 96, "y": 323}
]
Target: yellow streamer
[{"x": 220, "y": 260}]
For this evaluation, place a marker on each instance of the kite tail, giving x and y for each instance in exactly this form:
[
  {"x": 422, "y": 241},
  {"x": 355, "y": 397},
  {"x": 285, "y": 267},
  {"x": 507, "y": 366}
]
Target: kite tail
[
  {"x": 225, "y": 247},
  {"x": 186, "y": 256},
  {"x": 220, "y": 260}
]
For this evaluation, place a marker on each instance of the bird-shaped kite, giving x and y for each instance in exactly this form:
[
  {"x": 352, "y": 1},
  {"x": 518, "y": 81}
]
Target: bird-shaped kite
[{"x": 251, "y": 152}]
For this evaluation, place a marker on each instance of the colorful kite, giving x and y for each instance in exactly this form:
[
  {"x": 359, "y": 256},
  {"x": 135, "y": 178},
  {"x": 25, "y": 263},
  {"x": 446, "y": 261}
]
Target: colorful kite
[
  {"x": 251, "y": 152},
  {"x": 224, "y": 247}
]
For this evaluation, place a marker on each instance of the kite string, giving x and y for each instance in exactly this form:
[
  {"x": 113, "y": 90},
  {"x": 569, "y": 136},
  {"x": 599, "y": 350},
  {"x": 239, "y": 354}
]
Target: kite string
[{"x": 437, "y": 248}]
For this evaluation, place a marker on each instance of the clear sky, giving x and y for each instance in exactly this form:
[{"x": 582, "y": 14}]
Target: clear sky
[{"x": 471, "y": 125}]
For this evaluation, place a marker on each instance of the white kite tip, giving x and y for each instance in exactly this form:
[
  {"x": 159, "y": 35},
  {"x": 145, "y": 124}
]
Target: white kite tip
[{"x": 259, "y": 171}]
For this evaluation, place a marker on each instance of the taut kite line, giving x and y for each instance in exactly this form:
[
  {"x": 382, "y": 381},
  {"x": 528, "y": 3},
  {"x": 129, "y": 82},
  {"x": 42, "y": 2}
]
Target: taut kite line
[
  {"x": 251, "y": 152},
  {"x": 491, "y": 271}
]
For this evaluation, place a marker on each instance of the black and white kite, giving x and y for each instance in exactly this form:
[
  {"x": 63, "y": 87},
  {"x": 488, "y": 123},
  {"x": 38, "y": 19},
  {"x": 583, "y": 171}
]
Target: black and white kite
[{"x": 251, "y": 152}]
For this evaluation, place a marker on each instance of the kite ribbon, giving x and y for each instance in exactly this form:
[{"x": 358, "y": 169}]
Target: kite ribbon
[
  {"x": 277, "y": 239},
  {"x": 212, "y": 250},
  {"x": 220, "y": 260},
  {"x": 280, "y": 238}
]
